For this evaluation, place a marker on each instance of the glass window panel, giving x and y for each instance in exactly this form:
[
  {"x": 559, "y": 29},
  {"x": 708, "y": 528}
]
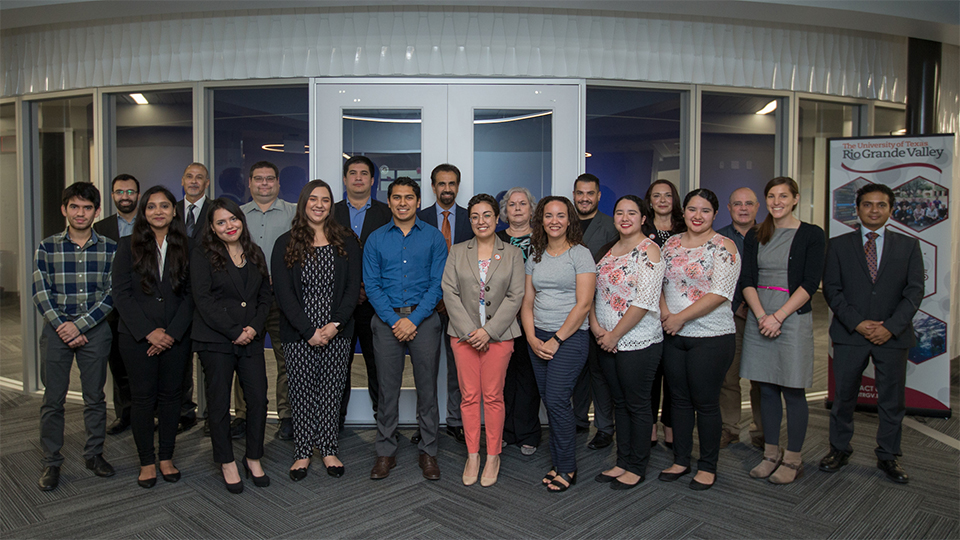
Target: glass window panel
[
  {"x": 391, "y": 138},
  {"x": 737, "y": 146},
  {"x": 887, "y": 121},
  {"x": 512, "y": 148},
  {"x": 817, "y": 122},
  {"x": 260, "y": 124},
  {"x": 11, "y": 339},
  {"x": 633, "y": 138},
  {"x": 65, "y": 131},
  {"x": 154, "y": 141}
]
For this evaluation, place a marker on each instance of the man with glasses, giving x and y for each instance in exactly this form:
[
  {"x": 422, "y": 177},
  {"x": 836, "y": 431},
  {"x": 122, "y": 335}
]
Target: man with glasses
[
  {"x": 125, "y": 191},
  {"x": 268, "y": 217}
]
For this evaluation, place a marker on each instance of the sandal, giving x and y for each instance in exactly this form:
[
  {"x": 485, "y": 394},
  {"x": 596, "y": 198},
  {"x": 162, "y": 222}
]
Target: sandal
[
  {"x": 570, "y": 480},
  {"x": 548, "y": 478}
]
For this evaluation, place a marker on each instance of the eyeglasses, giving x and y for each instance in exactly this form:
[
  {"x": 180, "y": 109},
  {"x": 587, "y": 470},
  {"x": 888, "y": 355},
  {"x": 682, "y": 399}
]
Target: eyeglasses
[
  {"x": 739, "y": 203},
  {"x": 262, "y": 179},
  {"x": 122, "y": 192}
]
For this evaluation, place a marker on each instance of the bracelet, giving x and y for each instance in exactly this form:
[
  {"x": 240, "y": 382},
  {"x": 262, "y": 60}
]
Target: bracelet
[
  {"x": 556, "y": 337},
  {"x": 776, "y": 319}
]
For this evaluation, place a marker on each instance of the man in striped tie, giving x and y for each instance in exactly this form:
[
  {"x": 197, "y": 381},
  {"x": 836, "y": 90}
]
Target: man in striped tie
[{"x": 873, "y": 282}]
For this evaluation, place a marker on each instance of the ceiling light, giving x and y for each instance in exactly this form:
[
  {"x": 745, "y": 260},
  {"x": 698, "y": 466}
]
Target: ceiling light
[
  {"x": 900, "y": 132},
  {"x": 139, "y": 99},
  {"x": 279, "y": 148},
  {"x": 587, "y": 154},
  {"x": 770, "y": 107}
]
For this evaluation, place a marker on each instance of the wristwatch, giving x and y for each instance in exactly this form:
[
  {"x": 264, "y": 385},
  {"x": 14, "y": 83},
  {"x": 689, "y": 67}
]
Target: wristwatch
[{"x": 556, "y": 337}]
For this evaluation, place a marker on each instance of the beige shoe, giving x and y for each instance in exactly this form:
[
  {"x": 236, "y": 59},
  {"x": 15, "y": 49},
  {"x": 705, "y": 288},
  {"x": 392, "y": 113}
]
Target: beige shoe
[
  {"x": 772, "y": 457},
  {"x": 790, "y": 469},
  {"x": 490, "y": 478},
  {"x": 471, "y": 469}
]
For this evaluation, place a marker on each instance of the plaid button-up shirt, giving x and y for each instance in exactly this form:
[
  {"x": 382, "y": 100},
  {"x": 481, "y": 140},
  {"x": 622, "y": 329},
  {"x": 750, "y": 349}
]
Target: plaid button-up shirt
[{"x": 72, "y": 283}]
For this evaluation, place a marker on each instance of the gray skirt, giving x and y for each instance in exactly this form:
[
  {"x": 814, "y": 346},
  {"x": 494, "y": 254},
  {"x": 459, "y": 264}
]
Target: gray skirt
[{"x": 786, "y": 360}]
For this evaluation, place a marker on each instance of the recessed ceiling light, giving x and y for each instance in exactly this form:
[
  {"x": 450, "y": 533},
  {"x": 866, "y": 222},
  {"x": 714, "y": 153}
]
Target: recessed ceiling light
[
  {"x": 139, "y": 99},
  {"x": 769, "y": 108}
]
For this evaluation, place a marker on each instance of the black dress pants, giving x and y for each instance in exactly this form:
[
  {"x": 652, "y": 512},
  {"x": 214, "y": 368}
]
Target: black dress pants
[
  {"x": 218, "y": 369},
  {"x": 364, "y": 335},
  {"x": 521, "y": 398},
  {"x": 630, "y": 376}
]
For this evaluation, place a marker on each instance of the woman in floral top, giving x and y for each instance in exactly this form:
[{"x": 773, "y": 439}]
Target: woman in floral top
[
  {"x": 625, "y": 322},
  {"x": 701, "y": 275}
]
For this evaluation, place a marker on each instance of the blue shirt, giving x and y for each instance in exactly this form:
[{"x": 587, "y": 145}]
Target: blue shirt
[
  {"x": 125, "y": 227},
  {"x": 452, "y": 219},
  {"x": 357, "y": 216},
  {"x": 401, "y": 271}
]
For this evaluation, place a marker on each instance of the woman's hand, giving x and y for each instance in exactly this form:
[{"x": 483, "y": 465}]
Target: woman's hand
[
  {"x": 246, "y": 336},
  {"x": 159, "y": 339},
  {"x": 673, "y": 323},
  {"x": 547, "y": 349},
  {"x": 608, "y": 342},
  {"x": 479, "y": 340},
  {"x": 317, "y": 338},
  {"x": 329, "y": 331},
  {"x": 154, "y": 350},
  {"x": 769, "y": 326}
]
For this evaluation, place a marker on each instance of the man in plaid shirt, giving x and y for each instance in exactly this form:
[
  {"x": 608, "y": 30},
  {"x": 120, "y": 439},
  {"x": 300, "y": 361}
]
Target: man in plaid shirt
[{"x": 71, "y": 287}]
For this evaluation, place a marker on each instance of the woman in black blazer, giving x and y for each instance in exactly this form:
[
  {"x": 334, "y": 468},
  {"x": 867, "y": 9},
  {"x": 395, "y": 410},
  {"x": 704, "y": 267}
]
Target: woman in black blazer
[
  {"x": 151, "y": 293},
  {"x": 316, "y": 274},
  {"x": 231, "y": 288}
]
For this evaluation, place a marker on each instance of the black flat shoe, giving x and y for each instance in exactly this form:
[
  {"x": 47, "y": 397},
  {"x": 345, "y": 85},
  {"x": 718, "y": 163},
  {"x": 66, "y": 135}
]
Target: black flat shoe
[
  {"x": 672, "y": 476},
  {"x": 259, "y": 481},
  {"x": 604, "y": 479},
  {"x": 148, "y": 483},
  {"x": 172, "y": 477},
  {"x": 697, "y": 486},
  {"x": 620, "y": 486},
  {"x": 335, "y": 471},
  {"x": 299, "y": 474}
]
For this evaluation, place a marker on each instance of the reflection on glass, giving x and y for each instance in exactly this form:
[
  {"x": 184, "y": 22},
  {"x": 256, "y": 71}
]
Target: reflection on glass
[
  {"x": 511, "y": 148},
  {"x": 819, "y": 121},
  {"x": 887, "y": 121},
  {"x": 737, "y": 146},
  {"x": 65, "y": 130},
  {"x": 391, "y": 138},
  {"x": 11, "y": 340},
  {"x": 633, "y": 138},
  {"x": 260, "y": 124},
  {"x": 154, "y": 141}
]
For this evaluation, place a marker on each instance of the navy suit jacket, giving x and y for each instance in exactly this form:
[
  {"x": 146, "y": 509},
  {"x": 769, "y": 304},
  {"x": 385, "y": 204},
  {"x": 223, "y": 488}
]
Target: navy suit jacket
[
  {"x": 462, "y": 229},
  {"x": 201, "y": 220}
]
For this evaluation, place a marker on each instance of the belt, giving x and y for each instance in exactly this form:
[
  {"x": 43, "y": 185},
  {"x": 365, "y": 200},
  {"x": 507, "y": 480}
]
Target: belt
[
  {"x": 773, "y": 288},
  {"x": 405, "y": 310}
]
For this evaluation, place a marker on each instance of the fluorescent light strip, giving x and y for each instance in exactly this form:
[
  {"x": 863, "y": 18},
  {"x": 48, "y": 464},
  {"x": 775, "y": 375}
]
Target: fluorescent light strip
[
  {"x": 418, "y": 121},
  {"x": 139, "y": 99},
  {"x": 275, "y": 147},
  {"x": 512, "y": 119},
  {"x": 769, "y": 108}
]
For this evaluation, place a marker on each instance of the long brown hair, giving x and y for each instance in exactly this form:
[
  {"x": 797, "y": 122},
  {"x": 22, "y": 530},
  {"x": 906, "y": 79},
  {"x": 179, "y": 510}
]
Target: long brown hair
[
  {"x": 215, "y": 248},
  {"x": 143, "y": 246},
  {"x": 538, "y": 240},
  {"x": 301, "y": 232},
  {"x": 765, "y": 230},
  {"x": 677, "y": 225}
]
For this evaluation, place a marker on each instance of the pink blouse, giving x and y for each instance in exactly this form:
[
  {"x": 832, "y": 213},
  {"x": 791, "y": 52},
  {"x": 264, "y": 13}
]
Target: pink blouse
[{"x": 695, "y": 272}]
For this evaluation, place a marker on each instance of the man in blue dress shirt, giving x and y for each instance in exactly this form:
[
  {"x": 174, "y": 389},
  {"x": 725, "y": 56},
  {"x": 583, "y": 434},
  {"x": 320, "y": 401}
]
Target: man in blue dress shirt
[{"x": 402, "y": 268}]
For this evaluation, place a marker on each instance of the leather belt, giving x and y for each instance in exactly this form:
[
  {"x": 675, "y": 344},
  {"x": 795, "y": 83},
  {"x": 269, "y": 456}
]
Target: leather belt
[{"x": 405, "y": 310}]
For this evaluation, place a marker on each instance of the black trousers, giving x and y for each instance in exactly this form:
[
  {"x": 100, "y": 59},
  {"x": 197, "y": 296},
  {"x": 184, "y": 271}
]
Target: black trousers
[
  {"x": 363, "y": 334},
  {"x": 521, "y": 398},
  {"x": 218, "y": 369},
  {"x": 154, "y": 386},
  {"x": 121, "y": 386},
  {"x": 663, "y": 409},
  {"x": 695, "y": 368},
  {"x": 630, "y": 376}
]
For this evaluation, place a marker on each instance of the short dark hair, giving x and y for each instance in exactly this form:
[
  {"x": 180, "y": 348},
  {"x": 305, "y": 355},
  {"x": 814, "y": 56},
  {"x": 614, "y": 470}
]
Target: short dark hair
[
  {"x": 444, "y": 167},
  {"x": 264, "y": 165},
  {"x": 359, "y": 159},
  {"x": 484, "y": 198},
  {"x": 873, "y": 188},
  {"x": 123, "y": 177},
  {"x": 404, "y": 181},
  {"x": 706, "y": 194},
  {"x": 82, "y": 190},
  {"x": 587, "y": 177}
]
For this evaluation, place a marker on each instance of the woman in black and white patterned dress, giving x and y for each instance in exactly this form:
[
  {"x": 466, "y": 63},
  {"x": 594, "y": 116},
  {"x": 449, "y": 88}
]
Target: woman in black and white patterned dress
[{"x": 316, "y": 279}]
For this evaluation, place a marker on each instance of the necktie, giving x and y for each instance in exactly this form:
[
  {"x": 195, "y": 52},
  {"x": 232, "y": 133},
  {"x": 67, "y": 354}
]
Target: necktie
[
  {"x": 190, "y": 219},
  {"x": 870, "y": 250},
  {"x": 445, "y": 229}
]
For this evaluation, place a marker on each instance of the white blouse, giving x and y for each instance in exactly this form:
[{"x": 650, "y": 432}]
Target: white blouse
[
  {"x": 695, "y": 272},
  {"x": 631, "y": 280}
]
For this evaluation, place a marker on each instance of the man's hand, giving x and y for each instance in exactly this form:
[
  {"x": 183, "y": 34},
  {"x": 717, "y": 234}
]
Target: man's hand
[
  {"x": 78, "y": 341},
  {"x": 866, "y": 328},
  {"x": 404, "y": 330},
  {"x": 880, "y": 335},
  {"x": 363, "y": 294},
  {"x": 441, "y": 307},
  {"x": 68, "y": 332}
]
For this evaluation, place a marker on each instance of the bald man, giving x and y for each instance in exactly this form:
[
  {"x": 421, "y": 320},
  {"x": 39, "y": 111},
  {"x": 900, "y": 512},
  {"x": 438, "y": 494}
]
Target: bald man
[{"x": 743, "y": 206}]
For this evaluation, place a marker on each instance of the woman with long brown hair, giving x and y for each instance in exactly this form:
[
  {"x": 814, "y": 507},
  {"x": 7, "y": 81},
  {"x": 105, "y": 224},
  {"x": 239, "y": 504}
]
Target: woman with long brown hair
[
  {"x": 231, "y": 289},
  {"x": 316, "y": 277}
]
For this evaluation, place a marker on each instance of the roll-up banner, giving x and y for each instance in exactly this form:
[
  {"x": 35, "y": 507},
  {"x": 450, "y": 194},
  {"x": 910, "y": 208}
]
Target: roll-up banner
[{"x": 919, "y": 170}]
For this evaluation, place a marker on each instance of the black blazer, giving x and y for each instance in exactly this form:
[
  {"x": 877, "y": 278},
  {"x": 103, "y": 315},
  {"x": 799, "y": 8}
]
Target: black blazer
[
  {"x": 108, "y": 227},
  {"x": 463, "y": 230},
  {"x": 141, "y": 313},
  {"x": 201, "y": 219},
  {"x": 893, "y": 299},
  {"x": 288, "y": 286},
  {"x": 223, "y": 305},
  {"x": 377, "y": 216},
  {"x": 804, "y": 269}
]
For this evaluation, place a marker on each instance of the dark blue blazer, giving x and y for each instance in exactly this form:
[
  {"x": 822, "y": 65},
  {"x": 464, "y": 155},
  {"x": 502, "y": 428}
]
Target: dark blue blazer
[{"x": 462, "y": 229}]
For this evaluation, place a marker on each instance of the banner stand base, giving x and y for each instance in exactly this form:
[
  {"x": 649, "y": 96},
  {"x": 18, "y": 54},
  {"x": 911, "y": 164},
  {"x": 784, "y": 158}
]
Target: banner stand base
[{"x": 929, "y": 413}]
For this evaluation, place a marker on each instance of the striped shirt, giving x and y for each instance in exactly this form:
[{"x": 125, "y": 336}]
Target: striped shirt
[{"x": 72, "y": 283}]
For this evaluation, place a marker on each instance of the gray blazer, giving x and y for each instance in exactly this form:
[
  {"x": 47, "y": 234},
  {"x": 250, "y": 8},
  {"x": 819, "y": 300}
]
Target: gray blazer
[
  {"x": 601, "y": 232},
  {"x": 503, "y": 292}
]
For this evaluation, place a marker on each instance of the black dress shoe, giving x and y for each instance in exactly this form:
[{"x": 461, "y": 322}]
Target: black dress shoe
[
  {"x": 118, "y": 426},
  {"x": 604, "y": 479},
  {"x": 600, "y": 440},
  {"x": 259, "y": 481},
  {"x": 698, "y": 486},
  {"x": 148, "y": 483},
  {"x": 285, "y": 431},
  {"x": 416, "y": 438},
  {"x": 299, "y": 474},
  {"x": 206, "y": 427},
  {"x": 186, "y": 423},
  {"x": 457, "y": 433},
  {"x": 172, "y": 477},
  {"x": 50, "y": 479},
  {"x": 335, "y": 471},
  {"x": 673, "y": 476},
  {"x": 620, "y": 486},
  {"x": 832, "y": 462},
  {"x": 99, "y": 466},
  {"x": 238, "y": 428},
  {"x": 893, "y": 470}
]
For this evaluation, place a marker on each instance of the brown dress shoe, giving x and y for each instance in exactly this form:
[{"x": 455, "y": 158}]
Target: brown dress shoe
[
  {"x": 431, "y": 471},
  {"x": 381, "y": 469},
  {"x": 728, "y": 438}
]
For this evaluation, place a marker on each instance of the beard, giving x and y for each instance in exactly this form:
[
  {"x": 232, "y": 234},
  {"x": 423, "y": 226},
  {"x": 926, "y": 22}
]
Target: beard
[
  {"x": 588, "y": 211},
  {"x": 447, "y": 198},
  {"x": 125, "y": 207}
]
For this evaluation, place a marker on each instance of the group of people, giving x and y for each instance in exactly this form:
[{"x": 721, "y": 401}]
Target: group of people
[
  {"x": 564, "y": 305},
  {"x": 920, "y": 212}
]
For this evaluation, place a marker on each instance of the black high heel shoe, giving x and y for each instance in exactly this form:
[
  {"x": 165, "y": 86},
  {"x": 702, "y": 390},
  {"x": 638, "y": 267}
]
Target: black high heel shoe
[{"x": 259, "y": 481}]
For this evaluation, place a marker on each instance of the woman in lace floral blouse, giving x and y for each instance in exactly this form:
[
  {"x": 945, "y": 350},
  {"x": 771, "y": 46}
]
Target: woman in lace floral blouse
[
  {"x": 699, "y": 282},
  {"x": 625, "y": 322}
]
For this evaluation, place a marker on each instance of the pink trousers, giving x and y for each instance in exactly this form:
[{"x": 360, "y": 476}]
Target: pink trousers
[{"x": 481, "y": 376}]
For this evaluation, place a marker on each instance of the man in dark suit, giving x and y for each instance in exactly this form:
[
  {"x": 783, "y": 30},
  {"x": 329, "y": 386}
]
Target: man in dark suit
[
  {"x": 125, "y": 190},
  {"x": 873, "y": 282},
  {"x": 454, "y": 224},
  {"x": 598, "y": 231},
  {"x": 193, "y": 210},
  {"x": 362, "y": 214}
]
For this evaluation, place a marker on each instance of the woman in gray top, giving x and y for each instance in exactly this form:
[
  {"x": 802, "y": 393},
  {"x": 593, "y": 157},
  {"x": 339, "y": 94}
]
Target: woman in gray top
[{"x": 560, "y": 284}]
